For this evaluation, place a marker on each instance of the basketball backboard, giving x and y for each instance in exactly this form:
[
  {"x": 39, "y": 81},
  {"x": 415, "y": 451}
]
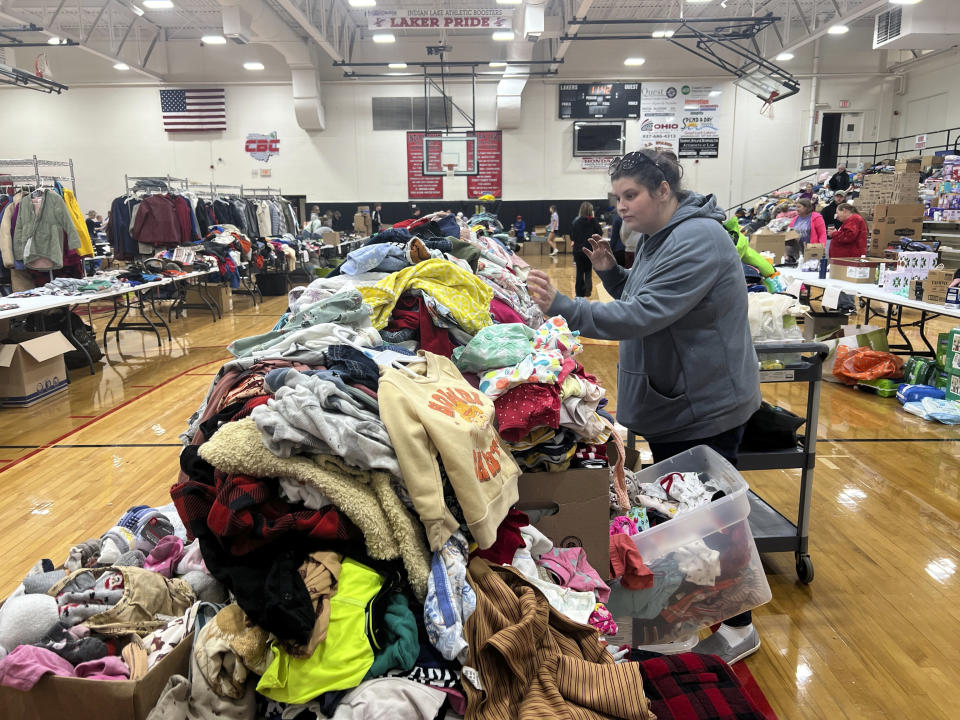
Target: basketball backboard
[{"x": 441, "y": 151}]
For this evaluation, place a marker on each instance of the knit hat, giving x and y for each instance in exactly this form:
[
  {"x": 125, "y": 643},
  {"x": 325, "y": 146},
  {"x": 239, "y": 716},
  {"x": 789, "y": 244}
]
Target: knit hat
[
  {"x": 163, "y": 558},
  {"x": 25, "y": 619},
  {"x": 41, "y": 582},
  {"x": 131, "y": 558}
]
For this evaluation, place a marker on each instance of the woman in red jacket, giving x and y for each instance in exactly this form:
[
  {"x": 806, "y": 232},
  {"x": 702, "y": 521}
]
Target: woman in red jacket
[
  {"x": 809, "y": 224},
  {"x": 850, "y": 241}
]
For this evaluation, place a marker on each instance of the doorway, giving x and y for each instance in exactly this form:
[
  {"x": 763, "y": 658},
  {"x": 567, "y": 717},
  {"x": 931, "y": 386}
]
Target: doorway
[{"x": 830, "y": 139}]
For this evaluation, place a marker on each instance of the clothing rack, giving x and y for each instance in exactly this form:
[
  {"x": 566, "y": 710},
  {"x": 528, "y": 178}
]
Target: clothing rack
[
  {"x": 256, "y": 192},
  {"x": 157, "y": 182},
  {"x": 36, "y": 164}
]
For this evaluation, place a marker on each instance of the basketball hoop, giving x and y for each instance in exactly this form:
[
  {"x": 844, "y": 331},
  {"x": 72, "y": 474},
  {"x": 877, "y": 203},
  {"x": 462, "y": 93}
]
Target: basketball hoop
[
  {"x": 451, "y": 169},
  {"x": 767, "y": 107}
]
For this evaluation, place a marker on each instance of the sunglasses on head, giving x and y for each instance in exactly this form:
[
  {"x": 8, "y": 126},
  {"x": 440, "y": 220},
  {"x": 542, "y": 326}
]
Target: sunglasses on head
[{"x": 630, "y": 162}]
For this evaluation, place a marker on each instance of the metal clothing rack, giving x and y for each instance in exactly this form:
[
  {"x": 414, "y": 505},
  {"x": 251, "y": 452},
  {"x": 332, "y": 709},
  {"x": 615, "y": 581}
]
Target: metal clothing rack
[
  {"x": 155, "y": 182},
  {"x": 36, "y": 176}
]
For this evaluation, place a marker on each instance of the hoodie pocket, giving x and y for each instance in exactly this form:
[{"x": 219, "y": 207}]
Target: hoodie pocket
[{"x": 642, "y": 409}]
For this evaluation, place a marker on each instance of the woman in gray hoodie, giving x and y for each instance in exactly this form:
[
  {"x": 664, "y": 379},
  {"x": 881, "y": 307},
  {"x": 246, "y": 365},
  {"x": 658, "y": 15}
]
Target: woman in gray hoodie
[{"x": 688, "y": 373}]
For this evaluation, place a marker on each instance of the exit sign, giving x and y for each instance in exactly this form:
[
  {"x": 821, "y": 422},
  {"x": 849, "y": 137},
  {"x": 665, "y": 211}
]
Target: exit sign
[{"x": 844, "y": 103}]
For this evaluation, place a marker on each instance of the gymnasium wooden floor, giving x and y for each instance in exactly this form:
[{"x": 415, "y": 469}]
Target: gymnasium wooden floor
[{"x": 876, "y": 635}]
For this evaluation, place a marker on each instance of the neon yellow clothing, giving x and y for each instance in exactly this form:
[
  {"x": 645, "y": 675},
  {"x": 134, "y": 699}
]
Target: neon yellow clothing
[
  {"x": 342, "y": 660},
  {"x": 465, "y": 295},
  {"x": 747, "y": 253},
  {"x": 76, "y": 216}
]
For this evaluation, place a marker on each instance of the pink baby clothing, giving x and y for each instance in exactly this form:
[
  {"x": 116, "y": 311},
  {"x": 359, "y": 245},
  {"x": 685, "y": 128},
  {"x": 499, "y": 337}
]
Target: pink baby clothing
[
  {"x": 26, "y": 664},
  {"x": 109, "y": 667},
  {"x": 572, "y": 570},
  {"x": 626, "y": 563},
  {"x": 164, "y": 557},
  {"x": 525, "y": 407}
]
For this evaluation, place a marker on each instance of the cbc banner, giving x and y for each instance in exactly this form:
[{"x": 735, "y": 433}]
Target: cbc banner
[{"x": 681, "y": 118}]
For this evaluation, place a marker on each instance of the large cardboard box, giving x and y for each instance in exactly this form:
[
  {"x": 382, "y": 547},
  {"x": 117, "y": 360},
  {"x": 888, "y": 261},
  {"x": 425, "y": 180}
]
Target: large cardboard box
[
  {"x": 572, "y": 508},
  {"x": 32, "y": 368},
  {"x": 814, "y": 251},
  {"x": 894, "y": 221},
  {"x": 910, "y": 165},
  {"x": 764, "y": 240},
  {"x": 79, "y": 699},
  {"x": 363, "y": 224},
  {"x": 822, "y": 325},
  {"x": 935, "y": 286},
  {"x": 862, "y": 271},
  {"x": 221, "y": 294},
  {"x": 330, "y": 238}
]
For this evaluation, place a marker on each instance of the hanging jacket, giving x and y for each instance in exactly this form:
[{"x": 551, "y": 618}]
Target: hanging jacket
[
  {"x": 263, "y": 218},
  {"x": 76, "y": 215},
  {"x": 38, "y": 239},
  {"x": 157, "y": 222},
  {"x": 118, "y": 229},
  {"x": 6, "y": 231}
]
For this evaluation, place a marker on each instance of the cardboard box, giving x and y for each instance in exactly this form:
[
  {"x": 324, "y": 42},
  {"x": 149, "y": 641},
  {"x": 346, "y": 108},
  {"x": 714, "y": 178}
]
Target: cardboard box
[
  {"x": 822, "y": 325},
  {"x": 908, "y": 166},
  {"x": 856, "y": 270},
  {"x": 363, "y": 224},
  {"x": 894, "y": 221},
  {"x": 902, "y": 210},
  {"x": 221, "y": 294},
  {"x": 953, "y": 386},
  {"x": 764, "y": 240},
  {"x": 32, "y": 368},
  {"x": 952, "y": 359},
  {"x": 935, "y": 286},
  {"x": 814, "y": 251},
  {"x": 572, "y": 508},
  {"x": 331, "y": 238},
  {"x": 79, "y": 699}
]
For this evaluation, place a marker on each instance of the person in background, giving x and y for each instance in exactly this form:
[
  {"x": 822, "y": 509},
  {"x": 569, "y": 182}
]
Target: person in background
[
  {"x": 741, "y": 216},
  {"x": 315, "y": 212},
  {"x": 806, "y": 191},
  {"x": 809, "y": 224},
  {"x": 92, "y": 224},
  {"x": 840, "y": 179},
  {"x": 829, "y": 211},
  {"x": 584, "y": 226},
  {"x": 850, "y": 241},
  {"x": 375, "y": 219},
  {"x": 617, "y": 247},
  {"x": 552, "y": 229},
  {"x": 520, "y": 228},
  {"x": 688, "y": 373},
  {"x": 416, "y": 212},
  {"x": 956, "y": 279}
]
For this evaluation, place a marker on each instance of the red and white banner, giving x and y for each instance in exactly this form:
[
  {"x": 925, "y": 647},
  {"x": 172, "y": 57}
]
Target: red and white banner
[
  {"x": 435, "y": 18},
  {"x": 420, "y": 186},
  {"x": 489, "y": 177}
]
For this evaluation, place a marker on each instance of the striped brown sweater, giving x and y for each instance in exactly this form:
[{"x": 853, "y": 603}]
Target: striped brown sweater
[{"x": 534, "y": 663}]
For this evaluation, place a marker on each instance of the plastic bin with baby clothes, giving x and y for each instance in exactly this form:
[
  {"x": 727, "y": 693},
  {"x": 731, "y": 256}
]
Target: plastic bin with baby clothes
[{"x": 705, "y": 564}]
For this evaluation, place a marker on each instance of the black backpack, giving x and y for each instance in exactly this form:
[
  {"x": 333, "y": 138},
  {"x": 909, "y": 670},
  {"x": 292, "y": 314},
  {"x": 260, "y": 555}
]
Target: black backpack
[{"x": 82, "y": 337}]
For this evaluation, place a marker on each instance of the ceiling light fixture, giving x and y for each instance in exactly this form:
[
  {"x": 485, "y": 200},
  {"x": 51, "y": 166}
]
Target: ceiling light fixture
[
  {"x": 634, "y": 61},
  {"x": 363, "y": 3},
  {"x": 121, "y": 66},
  {"x": 904, "y": 2},
  {"x": 213, "y": 40},
  {"x": 496, "y": 64},
  {"x": 253, "y": 66},
  {"x": 158, "y": 4},
  {"x": 509, "y": 2},
  {"x": 698, "y": 2},
  {"x": 503, "y": 35},
  {"x": 136, "y": 10},
  {"x": 663, "y": 33},
  {"x": 397, "y": 66},
  {"x": 838, "y": 30},
  {"x": 384, "y": 38},
  {"x": 784, "y": 57}
]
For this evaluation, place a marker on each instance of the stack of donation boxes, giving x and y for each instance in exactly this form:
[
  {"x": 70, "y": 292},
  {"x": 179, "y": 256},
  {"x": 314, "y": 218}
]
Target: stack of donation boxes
[
  {"x": 888, "y": 189},
  {"x": 892, "y": 222}
]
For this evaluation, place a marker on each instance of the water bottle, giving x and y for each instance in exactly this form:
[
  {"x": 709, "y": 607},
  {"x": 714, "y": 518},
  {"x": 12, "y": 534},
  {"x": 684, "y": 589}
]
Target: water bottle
[{"x": 822, "y": 268}]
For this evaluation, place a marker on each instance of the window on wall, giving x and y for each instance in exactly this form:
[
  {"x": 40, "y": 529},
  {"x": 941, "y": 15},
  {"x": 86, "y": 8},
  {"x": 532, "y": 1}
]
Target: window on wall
[{"x": 408, "y": 113}]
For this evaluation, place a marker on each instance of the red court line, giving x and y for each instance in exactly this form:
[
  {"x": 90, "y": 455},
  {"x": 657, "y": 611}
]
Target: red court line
[
  {"x": 77, "y": 429},
  {"x": 752, "y": 690}
]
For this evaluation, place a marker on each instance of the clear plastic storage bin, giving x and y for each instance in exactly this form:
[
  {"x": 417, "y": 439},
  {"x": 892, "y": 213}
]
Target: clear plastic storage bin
[{"x": 705, "y": 563}]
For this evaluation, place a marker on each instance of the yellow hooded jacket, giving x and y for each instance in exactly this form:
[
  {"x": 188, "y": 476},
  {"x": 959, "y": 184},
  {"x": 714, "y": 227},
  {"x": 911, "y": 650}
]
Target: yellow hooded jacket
[{"x": 76, "y": 215}]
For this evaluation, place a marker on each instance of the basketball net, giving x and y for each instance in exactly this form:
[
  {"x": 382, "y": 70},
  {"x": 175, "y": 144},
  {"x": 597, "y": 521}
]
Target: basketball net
[
  {"x": 767, "y": 107},
  {"x": 451, "y": 169},
  {"x": 42, "y": 67}
]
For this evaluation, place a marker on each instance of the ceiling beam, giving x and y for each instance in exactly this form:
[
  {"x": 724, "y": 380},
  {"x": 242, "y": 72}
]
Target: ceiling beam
[
  {"x": 848, "y": 17},
  {"x": 335, "y": 46},
  {"x": 136, "y": 66}
]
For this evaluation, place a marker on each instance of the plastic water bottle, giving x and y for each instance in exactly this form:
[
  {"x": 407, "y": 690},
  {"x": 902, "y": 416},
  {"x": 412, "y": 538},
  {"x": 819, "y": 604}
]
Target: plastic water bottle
[{"x": 822, "y": 268}]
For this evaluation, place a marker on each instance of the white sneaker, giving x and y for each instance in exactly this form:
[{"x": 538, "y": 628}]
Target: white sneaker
[{"x": 554, "y": 252}]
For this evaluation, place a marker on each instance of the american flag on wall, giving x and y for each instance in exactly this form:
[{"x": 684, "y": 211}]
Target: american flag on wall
[{"x": 193, "y": 110}]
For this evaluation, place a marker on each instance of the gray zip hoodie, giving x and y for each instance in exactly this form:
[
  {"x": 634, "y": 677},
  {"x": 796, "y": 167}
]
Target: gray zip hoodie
[{"x": 687, "y": 367}]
